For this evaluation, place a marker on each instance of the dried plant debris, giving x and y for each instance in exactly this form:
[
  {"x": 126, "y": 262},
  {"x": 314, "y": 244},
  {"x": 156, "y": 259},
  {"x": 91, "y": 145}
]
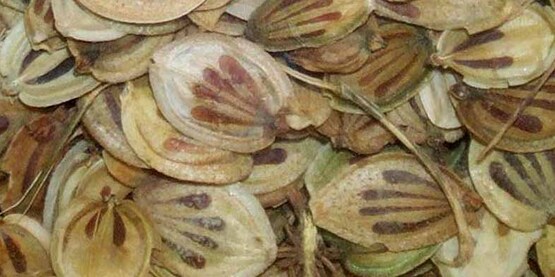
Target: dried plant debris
[{"x": 319, "y": 138}]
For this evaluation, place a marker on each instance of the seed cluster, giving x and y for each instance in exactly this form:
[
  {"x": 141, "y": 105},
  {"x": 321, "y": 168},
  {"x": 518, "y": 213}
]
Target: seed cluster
[{"x": 277, "y": 138}]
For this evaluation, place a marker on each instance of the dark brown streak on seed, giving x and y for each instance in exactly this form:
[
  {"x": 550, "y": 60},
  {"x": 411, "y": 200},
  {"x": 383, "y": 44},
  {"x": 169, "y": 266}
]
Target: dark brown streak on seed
[
  {"x": 531, "y": 157},
  {"x": 197, "y": 201},
  {"x": 90, "y": 228},
  {"x": 373, "y": 194},
  {"x": 201, "y": 240},
  {"x": 49, "y": 16},
  {"x": 17, "y": 257},
  {"x": 205, "y": 114},
  {"x": 61, "y": 69},
  {"x": 333, "y": 16},
  {"x": 499, "y": 176},
  {"x": 517, "y": 165},
  {"x": 316, "y": 5},
  {"x": 402, "y": 9},
  {"x": 479, "y": 39},
  {"x": 396, "y": 227},
  {"x": 493, "y": 63},
  {"x": 375, "y": 211},
  {"x": 118, "y": 237},
  {"x": 313, "y": 34},
  {"x": 31, "y": 56},
  {"x": 537, "y": 103},
  {"x": 4, "y": 124},
  {"x": 113, "y": 107},
  {"x": 405, "y": 177},
  {"x": 188, "y": 256},
  {"x": 526, "y": 123},
  {"x": 269, "y": 156},
  {"x": 384, "y": 88},
  {"x": 32, "y": 167},
  {"x": 209, "y": 223}
]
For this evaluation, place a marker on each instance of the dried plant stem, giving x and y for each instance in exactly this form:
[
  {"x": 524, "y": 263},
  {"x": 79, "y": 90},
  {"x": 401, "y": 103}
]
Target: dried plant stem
[
  {"x": 466, "y": 241},
  {"x": 521, "y": 107}
]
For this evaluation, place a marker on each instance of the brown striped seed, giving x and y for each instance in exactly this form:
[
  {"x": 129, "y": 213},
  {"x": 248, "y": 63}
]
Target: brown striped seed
[
  {"x": 484, "y": 112},
  {"x": 391, "y": 74},
  {"x": 234, "y": 97},
  {"x": 499, "y": 58},
  {"x": 388, "y": 199},
  {"x": 211, "y": 231},
  {"x": 102, "y": 238},
  {"x": 162, "y": 147},
  {"x": 282, "y": 25},
  {"x": 517, "y": 188},
  {"x": 452, "y": 14}
]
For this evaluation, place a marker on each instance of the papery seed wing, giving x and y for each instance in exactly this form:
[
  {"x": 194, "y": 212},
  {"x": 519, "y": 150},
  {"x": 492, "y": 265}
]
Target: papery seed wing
[
  {"x": 76, "y": 22},
  {"x": 545, "y": 249},
  {"x": 102, "y": 121},
  {"x": 39, "y": 26},
  {"x": 24, "y": 247},
  {"x": 280, "y": 165},
  {"x": 434, "y": 95},
  {"x": 452, "y": 14},
  {"x": 387, "y": 199},
  {"x": 29, "y": 153},
  {"x": 96, "y": 181},
  {"x": 307, "y": 107},
  {"x": 325, "y": 166},
  {"x": 163, "y": 148},
  {"x": 390, "y": 74},
  {"x": 126, "y": 174},
  {"x": 212, "y": 4},
  {"x": 499, "y": 57},
  {"x": 356, "y": 132},
  {"x": 343, "y": 56},
  {"x": 206, "y": 19},
  {"x": 209, "y": 231},
  {"x": 40, "y": 78},
  {"x": 518, "y": 188},
  {"x": 491, "y": 236},
  {"x": 243, "y": 8},
  {"x": 65, "y": 180},
  {"x": 225, "y": 92},
  {"x": 484, "y": 112},
  {"x": 131, "y": 11},
  {"x": 93, "y": 238},
  {"x": 282, "y": 25},
  {"x": 119, "y": 60},
  {"x": 387, "y": 263}
]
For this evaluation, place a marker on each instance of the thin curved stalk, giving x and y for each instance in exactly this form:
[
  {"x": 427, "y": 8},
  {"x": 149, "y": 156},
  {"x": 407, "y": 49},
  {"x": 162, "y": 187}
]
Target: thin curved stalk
[{"x": 466, "y": 241}]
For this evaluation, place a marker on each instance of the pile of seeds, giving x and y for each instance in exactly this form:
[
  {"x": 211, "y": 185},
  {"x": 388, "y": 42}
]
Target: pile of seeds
[{"x": 277, "y": 138}]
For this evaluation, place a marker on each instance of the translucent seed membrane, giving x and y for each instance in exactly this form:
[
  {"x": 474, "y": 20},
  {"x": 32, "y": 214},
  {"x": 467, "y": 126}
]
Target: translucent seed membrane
[{"x": 225, "y": 92}]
